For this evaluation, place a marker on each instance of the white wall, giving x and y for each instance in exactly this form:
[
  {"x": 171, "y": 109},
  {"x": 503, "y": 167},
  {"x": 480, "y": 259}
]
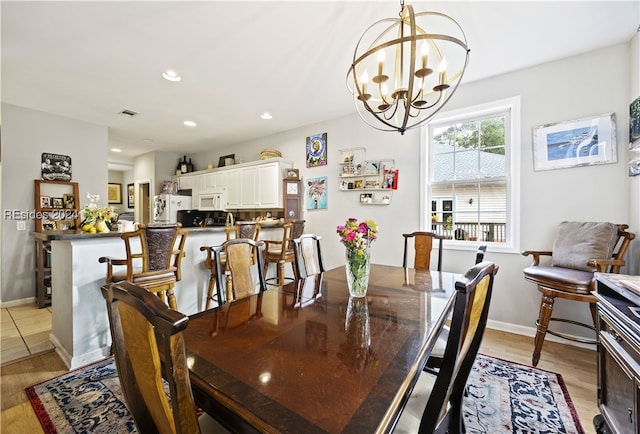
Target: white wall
[
  {"x": 572, "y": 88},
  {"x": 26, "y": 134}
]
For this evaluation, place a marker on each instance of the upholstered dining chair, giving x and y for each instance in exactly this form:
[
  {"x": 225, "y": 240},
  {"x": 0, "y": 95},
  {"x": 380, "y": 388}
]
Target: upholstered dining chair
[
  {"x": 154, "y": 257},
  {"x": 239, "y": 269},
  {"x": 242, "y": 229},
  {"x": 280, "y": 252},
  {"x": 148, "y": 346},
  {"x": 422, "y": 244},
  {"x": 435, "y": 403},
  {"x": 579, "y": 250}
]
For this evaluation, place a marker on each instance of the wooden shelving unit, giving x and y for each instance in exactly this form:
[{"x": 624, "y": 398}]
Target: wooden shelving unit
[{"x": 57, "y": 208}]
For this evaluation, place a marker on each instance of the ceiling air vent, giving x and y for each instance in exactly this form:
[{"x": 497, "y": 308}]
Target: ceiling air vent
[{"x": 128, "y": 113}]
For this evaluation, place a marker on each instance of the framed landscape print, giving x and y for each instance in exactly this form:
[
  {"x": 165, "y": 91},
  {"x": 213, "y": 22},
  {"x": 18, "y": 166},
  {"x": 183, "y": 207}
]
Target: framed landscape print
[
  {"x": 114, "y": 193},
  {"x": 581, "y": 142}
]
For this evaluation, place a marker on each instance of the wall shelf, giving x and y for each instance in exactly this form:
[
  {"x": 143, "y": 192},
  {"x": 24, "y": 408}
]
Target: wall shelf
[{"x": 375, "y": 179}]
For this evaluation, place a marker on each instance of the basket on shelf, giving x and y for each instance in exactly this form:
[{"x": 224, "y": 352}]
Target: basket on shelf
[{"x": 269, "y": 153}]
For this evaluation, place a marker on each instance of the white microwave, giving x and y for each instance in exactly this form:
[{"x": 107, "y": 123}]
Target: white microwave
[{"x": 212, "y": 201}]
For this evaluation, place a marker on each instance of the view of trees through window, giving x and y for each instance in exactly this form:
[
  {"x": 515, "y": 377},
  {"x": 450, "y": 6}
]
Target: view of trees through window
[{"x": 468, "y": 178}]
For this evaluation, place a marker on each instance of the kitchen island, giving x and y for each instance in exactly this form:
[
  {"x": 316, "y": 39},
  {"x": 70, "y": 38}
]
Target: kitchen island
[{"x": 80, "y": 326}]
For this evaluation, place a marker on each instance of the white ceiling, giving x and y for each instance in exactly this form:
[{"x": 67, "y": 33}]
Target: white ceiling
[{"x": 90, "y": 60}]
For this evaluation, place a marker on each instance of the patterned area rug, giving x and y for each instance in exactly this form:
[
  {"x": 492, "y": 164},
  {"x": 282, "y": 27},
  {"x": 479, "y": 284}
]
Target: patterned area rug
[
  {"x": 503, "y": 397},
  {"x": 506, "y": 397}
]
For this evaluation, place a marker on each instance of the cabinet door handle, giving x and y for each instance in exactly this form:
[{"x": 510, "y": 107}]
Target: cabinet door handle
[{"x": 630, "y": 412}]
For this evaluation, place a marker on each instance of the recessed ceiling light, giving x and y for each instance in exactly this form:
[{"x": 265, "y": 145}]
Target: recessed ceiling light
[
  {"x": 171, "y": 75},
  {"x": 266, "y": 115},
  {"x": 190, "y": 123},
  {"x": 116, "y": 150}
]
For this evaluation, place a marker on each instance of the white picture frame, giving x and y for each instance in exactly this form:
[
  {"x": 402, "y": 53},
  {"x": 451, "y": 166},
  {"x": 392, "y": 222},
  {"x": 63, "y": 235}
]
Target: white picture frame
[{"x": 580, "y": 142}]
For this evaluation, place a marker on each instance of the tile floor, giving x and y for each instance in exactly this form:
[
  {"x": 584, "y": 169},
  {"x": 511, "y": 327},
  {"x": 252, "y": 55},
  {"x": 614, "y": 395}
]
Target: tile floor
[{"x": 24, "y": 331}]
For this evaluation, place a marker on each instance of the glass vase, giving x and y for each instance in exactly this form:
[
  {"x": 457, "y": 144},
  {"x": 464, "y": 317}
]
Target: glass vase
[{"x": 357, "y": 266}]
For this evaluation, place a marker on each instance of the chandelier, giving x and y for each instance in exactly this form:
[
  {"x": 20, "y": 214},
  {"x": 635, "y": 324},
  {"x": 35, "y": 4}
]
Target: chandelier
[{"x": 392, "y": 77}]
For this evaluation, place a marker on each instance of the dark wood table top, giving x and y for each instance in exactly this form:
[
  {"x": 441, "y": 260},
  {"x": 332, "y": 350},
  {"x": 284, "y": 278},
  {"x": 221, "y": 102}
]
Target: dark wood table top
[{"x": 318, "y": 363}]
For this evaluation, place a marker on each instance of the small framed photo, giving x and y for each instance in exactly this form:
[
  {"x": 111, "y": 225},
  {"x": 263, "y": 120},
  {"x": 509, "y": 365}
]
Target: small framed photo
[
  {"x": 49, "y": 225},
  {"x": 69, "y": 201},
  {"x": 291, "y": 174},
  {"x": 366, "y": 198},
  {"x": 227, "y": 160},
  {"x": 57, "y": 202},
  {"x": 45, "y": 202},
  {"x": 580, "y": 142},
  {"x": 130, "y": 196},
  {"x": 114, "y": 193},
  {"x": 358, "y": 183}
]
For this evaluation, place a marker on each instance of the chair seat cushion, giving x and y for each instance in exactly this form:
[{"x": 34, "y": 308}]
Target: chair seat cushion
[
  {"x": 120, "y": 277},
  {"x": 578, "y": 242},
  {"x": 543, "y": 273}
]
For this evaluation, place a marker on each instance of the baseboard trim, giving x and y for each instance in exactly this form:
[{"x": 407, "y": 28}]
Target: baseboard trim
[
  {"x": 531, "y": 331},
  {"x": 15, "y": 303}
]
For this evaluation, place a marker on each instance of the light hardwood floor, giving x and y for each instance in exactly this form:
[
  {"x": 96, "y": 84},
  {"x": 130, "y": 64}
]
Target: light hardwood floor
[{"x": 576, "y": 365}]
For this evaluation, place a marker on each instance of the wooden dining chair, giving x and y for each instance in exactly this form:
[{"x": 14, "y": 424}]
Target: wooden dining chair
[
  {"x": 308, "y": 255},
  {"x": 148, "y": 347},
  {"x": 437, "y": 354},
  {"x": 154, "y": 257},
  {"x": 239, "y": 269},
  {"x": 280, "y": 252},
  {"x": 435, "y": 403},
  {"x": 579, "y": 250},
  {"x": 422, "y": 244},
  {"x": 242, "y": 229}
]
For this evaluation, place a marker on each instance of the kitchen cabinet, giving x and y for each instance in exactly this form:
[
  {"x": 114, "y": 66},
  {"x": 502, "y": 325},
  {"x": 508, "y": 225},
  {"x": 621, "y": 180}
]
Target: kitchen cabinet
[
  {"x": 211, "y": 182},
  {"x": 186, "y": 182},
  {"x": 256, "y": 186}
]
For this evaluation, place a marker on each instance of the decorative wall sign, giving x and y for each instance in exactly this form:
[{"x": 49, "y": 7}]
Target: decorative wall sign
[
  {"x": 55, "y": 167},
  {"x": 581, "y": 142},
  {"x": 317, "y": 150},
  {"x": 316, "y": 193}
]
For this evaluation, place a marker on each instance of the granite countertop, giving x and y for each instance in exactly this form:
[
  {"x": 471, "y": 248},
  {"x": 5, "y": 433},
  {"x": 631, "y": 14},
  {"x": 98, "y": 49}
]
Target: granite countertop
[{"x": 79, "y": 235}]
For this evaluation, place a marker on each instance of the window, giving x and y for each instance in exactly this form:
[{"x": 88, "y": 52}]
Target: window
[{"x": 471, "y": 180}]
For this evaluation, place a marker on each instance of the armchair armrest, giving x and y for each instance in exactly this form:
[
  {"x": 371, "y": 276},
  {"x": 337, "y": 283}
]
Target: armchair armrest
[
  {"x": 536, "y": 255},
  {"x": 110, "y": 263},
  {"x": 602, "y": 264}
]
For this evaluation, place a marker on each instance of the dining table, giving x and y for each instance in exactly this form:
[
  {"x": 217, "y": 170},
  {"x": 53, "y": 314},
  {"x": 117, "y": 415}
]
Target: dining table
[{"x": 306, "y": 357}]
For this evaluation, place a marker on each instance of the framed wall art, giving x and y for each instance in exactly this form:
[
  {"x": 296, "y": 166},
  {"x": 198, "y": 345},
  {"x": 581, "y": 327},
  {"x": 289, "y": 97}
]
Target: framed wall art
[
  {"x": 316, "y": 196},
  {"x": 580, "y": 142},
  {"x": 114, "y": 193},
  {"x": 130, "y": 196},
  {"x": 317, "y": 150}
]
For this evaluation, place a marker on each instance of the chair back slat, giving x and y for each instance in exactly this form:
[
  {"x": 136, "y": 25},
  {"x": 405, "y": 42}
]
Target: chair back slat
[
  {"x": 148, "y": 346},
  {"x": 308, "y": 255},
  {"x": 239, "y": 269},
  {"x": 423, "y": 245},
  {"x": 442, "y": 412}
]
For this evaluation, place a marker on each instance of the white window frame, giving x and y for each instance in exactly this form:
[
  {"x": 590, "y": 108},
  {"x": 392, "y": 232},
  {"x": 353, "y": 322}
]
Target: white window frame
[{"x": 512, "y": 166}]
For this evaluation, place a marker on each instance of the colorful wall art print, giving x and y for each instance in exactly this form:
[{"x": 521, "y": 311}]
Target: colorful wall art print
[
  {"x": 317, "y": 150},
  {"x": 634, "y": 138},
  {"x": 316, "y": 196}
]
